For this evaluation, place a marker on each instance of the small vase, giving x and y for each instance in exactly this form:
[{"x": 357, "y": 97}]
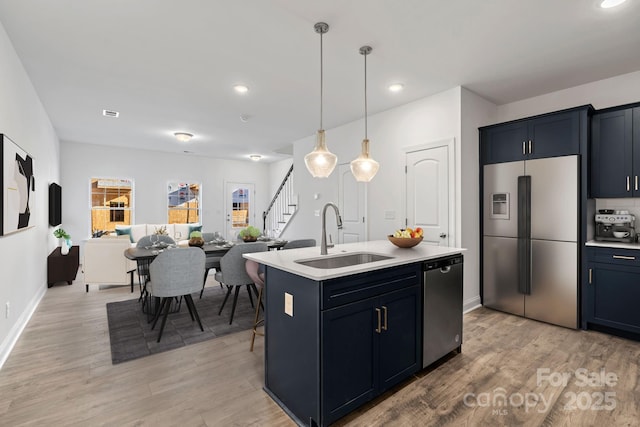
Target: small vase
[{"x": 64, "y": 248}]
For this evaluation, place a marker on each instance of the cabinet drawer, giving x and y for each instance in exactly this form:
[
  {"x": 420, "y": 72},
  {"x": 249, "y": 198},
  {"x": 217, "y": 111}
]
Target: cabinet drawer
[
  {"x": 628, "y": 257},
  {"x": 359, "y": 286}
]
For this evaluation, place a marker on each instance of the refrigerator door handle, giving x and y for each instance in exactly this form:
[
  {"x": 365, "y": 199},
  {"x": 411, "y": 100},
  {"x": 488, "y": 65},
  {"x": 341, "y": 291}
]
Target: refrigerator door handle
[{"x": 524, "y": 234}]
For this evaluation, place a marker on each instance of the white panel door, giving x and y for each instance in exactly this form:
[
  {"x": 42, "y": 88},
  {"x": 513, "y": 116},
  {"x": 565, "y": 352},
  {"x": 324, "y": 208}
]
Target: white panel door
[
  {"x": 239, "y": 208},
  {"x": 428, "y": 193},
  {"x": 351, "y": 202}
]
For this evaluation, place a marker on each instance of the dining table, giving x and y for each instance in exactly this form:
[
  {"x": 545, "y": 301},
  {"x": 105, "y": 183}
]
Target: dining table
[{"x": 143, "y": 256}]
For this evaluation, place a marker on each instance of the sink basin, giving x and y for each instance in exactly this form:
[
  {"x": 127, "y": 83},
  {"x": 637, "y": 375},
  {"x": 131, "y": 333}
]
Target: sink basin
[{"x": 345, "y": 260}]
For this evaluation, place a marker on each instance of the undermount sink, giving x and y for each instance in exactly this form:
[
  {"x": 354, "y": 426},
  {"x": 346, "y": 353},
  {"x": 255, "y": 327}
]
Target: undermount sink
[{"x": 346, "y": 260}]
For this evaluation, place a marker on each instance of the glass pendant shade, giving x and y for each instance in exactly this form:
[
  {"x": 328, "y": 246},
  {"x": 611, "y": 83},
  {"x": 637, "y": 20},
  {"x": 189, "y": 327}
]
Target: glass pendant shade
[
  {"x": 364, "y": 168},
  {"x": 320, "y": 162}
]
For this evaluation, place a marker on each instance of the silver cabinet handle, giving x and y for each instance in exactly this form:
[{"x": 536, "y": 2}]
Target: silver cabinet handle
[
  {"x": 636, "y": 182},
  {"x": 631, "y": 258},
  {"x": 529, "y": 146},
  {"x": 590, "y": 276},
  {"x": 385, "y": 325},
  {"x": 524, "y": 148},
  {"x": 379, "y": 328},
  {"x": 628, "y": 183}
]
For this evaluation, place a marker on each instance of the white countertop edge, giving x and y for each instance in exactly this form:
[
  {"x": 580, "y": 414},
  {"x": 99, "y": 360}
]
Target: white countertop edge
[
  {"x": 285, "y": 259},
  {"x": 616, "y": 245}
]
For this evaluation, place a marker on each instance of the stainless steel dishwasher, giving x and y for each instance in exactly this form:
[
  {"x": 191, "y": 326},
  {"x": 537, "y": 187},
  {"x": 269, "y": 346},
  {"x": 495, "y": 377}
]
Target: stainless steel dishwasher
[{"x": 442, "y": 305}]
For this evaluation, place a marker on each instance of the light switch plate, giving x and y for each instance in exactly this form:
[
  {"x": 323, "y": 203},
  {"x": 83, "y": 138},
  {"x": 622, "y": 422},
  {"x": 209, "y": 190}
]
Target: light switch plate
[{"x": 288, "y": 304}]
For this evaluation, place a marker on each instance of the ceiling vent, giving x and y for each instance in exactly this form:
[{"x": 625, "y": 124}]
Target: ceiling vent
[{"x": 110, "y": 113}]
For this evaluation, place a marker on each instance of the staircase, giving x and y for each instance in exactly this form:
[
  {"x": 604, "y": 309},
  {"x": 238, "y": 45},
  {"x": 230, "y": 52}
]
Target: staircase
[{"x": 281, "y": 209}]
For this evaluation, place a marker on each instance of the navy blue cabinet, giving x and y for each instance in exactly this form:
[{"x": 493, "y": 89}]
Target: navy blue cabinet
[
  {"x": 549, "y": 135},
  {"x": 615, "y": 154},
  {"x": 613, "y": 289},
  {"x": 339, "y": 343}
]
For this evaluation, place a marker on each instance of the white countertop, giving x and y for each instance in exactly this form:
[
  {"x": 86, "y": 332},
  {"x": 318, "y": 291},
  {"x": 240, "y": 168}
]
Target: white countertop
[
  {"x": 285, "y": 259},
  {"x": 617, "y": 245}
]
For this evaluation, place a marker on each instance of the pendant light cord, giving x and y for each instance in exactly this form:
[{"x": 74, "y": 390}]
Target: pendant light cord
[
  {"x": 321, "y": 79},
  {"x": 365, "y": 97}
]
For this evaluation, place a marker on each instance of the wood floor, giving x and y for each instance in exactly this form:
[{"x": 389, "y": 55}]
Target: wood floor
[{"x": 60, "y": 374}]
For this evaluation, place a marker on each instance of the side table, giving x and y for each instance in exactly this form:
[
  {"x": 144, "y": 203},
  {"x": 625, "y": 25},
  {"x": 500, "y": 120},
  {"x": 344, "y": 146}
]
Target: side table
[{"x": 62, "y": 268}]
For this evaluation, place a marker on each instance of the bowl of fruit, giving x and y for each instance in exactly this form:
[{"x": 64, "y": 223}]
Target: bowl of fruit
[{"x": 406, "y": 237}]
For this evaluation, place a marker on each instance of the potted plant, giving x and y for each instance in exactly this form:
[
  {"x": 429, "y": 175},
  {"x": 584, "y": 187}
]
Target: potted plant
[
  {"x": 64, "y": 239},
  {"x": 250, "y": 234},
  {"x": 195, "y": 239}
]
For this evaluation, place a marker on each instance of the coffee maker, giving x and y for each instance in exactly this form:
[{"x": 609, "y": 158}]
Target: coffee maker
[{"x": 615, "y": 226}]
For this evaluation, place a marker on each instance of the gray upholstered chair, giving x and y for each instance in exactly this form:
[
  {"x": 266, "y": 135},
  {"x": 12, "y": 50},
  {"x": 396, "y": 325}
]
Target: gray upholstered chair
[
  {"x": 254, "y": 271},
  {"x": 176, "y": 273},
  {"x": 143, "y": 265},
  {"x": 233, "y": 273},
  {"x": 300, "y": 243}
]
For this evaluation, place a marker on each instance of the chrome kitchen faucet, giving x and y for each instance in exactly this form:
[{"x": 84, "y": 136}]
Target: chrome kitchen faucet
[{"x": 323, "y": 244}]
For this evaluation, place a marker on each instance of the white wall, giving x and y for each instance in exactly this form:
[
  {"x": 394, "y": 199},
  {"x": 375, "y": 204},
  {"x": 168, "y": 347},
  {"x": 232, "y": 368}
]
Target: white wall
[
  {"x": 475, "y": 112},
  {"x": 24, "y": 254},
  {"x": 151, "y": 171},
  {"x": 612, "y": 92}
]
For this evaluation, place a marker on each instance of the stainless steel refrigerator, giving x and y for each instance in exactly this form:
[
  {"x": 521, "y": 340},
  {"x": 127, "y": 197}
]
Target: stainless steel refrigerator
[{"x": 530, "y": 235}]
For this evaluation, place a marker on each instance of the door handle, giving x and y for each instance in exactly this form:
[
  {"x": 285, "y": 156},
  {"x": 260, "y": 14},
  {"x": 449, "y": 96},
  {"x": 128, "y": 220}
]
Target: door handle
[
  {"x": 524, "y": 149},
  {"x": 443, "y": 235},
  {"x": 379, "y": 328},
  {"x": 529, "y": 146},
  {"x": 384, "y": 326}
]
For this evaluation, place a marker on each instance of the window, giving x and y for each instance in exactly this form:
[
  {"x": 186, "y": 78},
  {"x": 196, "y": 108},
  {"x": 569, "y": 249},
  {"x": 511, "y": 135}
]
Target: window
[
  {"x": 111, "y": 201},
  {"x": 183, "y": 203},
  {"x": 240, "y": 202}
]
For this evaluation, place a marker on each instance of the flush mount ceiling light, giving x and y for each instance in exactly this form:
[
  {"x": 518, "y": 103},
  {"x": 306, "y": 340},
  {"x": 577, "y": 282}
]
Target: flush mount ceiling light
[
  {"x": 606, "y": 4},
  {"x": 320, "y": 162},
  {"x": 183, "y": 136},
  {"x": 396, "y": 87},
  {"x": 241, "y": 88},
  {"x": 255, "y": 157},
  {"x": 364, "y": 168}
]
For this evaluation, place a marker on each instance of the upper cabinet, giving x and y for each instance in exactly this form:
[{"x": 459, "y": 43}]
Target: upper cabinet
[
  {"x": 550, "y": 135},
  {"x": 615, "y": 153}
]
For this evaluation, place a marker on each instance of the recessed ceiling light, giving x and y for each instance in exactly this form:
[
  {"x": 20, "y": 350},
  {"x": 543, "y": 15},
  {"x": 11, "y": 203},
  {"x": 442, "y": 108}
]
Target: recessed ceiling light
[
  {"x": 183, "y": 136},
  {"x": 396, "y": 87},
  {"x": 255, "y": 157},
  {"x": 110, "y": 113},
  {"x": 241, "y": 88},
  {"x": 244, "y": 118},
  {"x": 606, "y": 4}
]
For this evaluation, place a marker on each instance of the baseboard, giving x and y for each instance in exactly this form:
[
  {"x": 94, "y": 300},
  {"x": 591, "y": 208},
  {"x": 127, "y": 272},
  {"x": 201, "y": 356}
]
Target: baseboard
[
  {"x": 471, "y": 304},
  {"x": 10, "y": 341}
]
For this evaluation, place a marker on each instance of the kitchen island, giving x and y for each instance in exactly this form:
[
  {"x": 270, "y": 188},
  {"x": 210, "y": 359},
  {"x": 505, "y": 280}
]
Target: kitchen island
[{"x": 338, "y": 337}]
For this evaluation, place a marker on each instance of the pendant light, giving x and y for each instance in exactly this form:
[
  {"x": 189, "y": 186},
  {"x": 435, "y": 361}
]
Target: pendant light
[
  {"x": 320, "y": 162},
  {"x": 364, "y": 168}
]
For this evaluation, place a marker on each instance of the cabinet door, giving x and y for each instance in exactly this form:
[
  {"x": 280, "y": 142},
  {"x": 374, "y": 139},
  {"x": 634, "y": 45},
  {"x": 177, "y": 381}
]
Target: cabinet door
[
  {"x": 349, "y": 358},
  {"x": 554, "y": 135},
  {"x": 636, "y": 152},
  {"x": 504, "y": 143},
  {"x": 616, "y": 292},
  {"x": 399, "y": 335},
  {"x": 611, "y": 154}
]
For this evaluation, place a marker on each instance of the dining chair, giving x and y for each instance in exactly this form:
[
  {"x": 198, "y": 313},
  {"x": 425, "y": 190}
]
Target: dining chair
[
  {"x": 254, "y": 271},
  {"x": 143, "y": 265},
  {"x": 176, "y": 273},
  {"x": 233, "y": 273}
]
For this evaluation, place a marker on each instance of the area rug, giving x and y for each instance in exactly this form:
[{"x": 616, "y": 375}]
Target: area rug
[{"x": 131, "y": 335}]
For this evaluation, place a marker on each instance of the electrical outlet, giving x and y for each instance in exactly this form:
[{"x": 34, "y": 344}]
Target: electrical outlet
[{"x": 8, "y": 310}]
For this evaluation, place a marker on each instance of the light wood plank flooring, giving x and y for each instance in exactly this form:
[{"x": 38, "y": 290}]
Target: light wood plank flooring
[{"x": 60, "y": 374}]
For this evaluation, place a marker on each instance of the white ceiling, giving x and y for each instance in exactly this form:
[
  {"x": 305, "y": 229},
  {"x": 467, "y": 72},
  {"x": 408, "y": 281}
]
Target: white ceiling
[{"x": 169, "y": 65}]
